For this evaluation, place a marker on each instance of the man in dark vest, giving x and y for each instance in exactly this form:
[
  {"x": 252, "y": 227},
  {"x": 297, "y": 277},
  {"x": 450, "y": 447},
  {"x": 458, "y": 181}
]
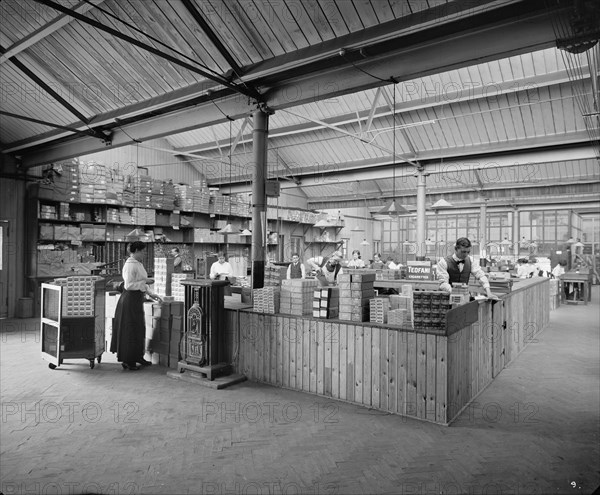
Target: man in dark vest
[
  {"x": 296, "y": 268},
  {"x": 459, "y": 267}
]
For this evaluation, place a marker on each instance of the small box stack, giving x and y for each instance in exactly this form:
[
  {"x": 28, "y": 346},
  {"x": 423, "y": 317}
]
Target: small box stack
[
  {"x": 114, "y": 187},
  {"x": 168, "y": 192},
  {"x": 296, "y": 296},
  {"x": 356, "y": 289},
  {"x": 163, "y": 271},
  {"x": 201, "y": 196},
  {"x": 326, "y": 302},
  {"x": 64, "y": 211},
  {"x": 177, "y": 290},
  {"x": 399, "y": 317},
  {"x": 500, "y": 285},
  {"x": 177, "y": 327},
  {"x": 266, "y": 300},
  {"x": 378, "y": 309},
  {"x": 143, "y": 216},
  {"x": 184, "y": 197},
  {"x": 274, "y": 274},
  {"x": 430, "y": 308},
  {"x": 142, "y": 185},
  {"x": 112, "y": 215},
  {"x": 48, "y": 212}
]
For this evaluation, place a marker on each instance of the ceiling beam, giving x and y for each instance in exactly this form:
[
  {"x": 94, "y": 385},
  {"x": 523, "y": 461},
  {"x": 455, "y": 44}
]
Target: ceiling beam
[
  {"x": 243, "y": 89},
  {"x": 47, "y": 29}
]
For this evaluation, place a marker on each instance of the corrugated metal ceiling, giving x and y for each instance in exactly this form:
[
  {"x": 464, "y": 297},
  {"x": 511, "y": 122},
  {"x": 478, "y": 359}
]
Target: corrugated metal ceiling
[{"x": 102, "y": 66}]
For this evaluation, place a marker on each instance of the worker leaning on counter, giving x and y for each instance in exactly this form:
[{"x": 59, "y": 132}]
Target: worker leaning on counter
[{"x": 459, "y": 267}]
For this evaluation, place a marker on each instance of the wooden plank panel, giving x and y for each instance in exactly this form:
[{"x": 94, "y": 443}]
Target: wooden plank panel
[
  {"x": 367, "y": 363},
  {"x": 421, "y": 396},
  {"x": 320, "y": 357},
  {"x": 358, "y": 359},
  {"x": 375, "y": 365},
  {"x": 273, "y": 348},
  {"x": 292, "y": 343},
  {"x": 384, "y": 360},
  {"x": 411, "y": 374},
  {"x": 285, "y": 335},
  {"x": 351, "y": 366},
  {"x": 298, "y": 344},
  {"x": 280, "y": 351},
  {"x": 327, "y": 368},
  {"x": 452, "y": 375},
  {"x": 441, "y": 372},
  {"x": 306, "y": 337},
  {"x": 343, "y": 333},
  {"x": 395, "y": 396},
  {"x": 335, "y": 360},
  {"x": 313, "y": 356},
  {"x": 431, "y": 388}
]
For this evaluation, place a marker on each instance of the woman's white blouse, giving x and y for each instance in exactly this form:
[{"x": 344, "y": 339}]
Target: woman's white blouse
[{"x": 134, "y": 275}]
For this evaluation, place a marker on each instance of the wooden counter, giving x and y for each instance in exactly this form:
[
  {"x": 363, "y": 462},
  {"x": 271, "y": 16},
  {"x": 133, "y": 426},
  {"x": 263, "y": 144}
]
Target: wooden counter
[{"x": 420, "y": 374}]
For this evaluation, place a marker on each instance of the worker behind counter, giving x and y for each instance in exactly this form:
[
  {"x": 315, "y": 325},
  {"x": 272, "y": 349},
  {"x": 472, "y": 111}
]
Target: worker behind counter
[
  {"x": 220, "y": 269},
  {"x": 328, "y": 266},
  {"x": 459, "y": 267}
]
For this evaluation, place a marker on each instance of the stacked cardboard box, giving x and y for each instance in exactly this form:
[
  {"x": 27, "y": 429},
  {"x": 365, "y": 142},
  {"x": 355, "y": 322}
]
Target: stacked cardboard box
[
  {"x": 142, "y": 185},
  {"x": 296, "y": 296},
  {"x": 387, "y": 274},
  {"x": 112, "y": 215},
  {"x": 378, "y": 309},
  {"x": 48, "y": 212},
  {"x": 177, "y": 289},
  {"x": 356, "y": 289},
  {"x": 201, "y": 196},
  {"x": 266, "y": 300},
  {"x": 274, "y": 274},
  {"x": 163, "y": 271},
  {"x": 326, "y": 302},
  {"x": 403, "y": 303},
  {"x": 430, "y": 308},
  {"x": 143, "y": 216},
  {"x": 177, "y": 329},
  {"x": 399, "y": 317}
]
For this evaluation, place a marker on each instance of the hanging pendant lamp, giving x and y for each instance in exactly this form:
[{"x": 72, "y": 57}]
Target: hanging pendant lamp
[{"x": 391, "y": 208}]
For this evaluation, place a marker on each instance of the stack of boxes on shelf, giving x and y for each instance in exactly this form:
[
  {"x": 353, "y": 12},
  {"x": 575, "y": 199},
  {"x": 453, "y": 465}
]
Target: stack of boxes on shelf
[
  {"x": 114, "y": 187},
  {"x": 201, "y": 197},
  {"x": 356, "y": 289},
  {"x": 378, "y": 310},
  {"x": 163, "y": 271},
  {"x": 430, "y": 308},
  {"x": 296, "y": 296},
  {"x": 184, "y": 197},
  {"x": 326, "y": 302},
  {"x": 143, "y": 191},
  {"x": 266, "y": 300},
  {"x": 274, "y": 274}
]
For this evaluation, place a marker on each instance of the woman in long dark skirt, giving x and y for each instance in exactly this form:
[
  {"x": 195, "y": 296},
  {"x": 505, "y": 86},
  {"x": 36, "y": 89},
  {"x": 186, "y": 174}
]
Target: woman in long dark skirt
[{"x": 129, "y": 329}]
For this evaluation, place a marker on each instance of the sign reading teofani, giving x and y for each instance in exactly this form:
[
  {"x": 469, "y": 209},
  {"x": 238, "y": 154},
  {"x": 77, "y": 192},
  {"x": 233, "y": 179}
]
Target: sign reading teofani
[{"x": 419, "y": 270}]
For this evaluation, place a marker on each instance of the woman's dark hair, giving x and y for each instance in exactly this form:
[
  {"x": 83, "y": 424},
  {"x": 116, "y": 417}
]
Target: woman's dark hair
[
  {"x": 137, "y": 246},
  {"x": 356, "y": 251}
]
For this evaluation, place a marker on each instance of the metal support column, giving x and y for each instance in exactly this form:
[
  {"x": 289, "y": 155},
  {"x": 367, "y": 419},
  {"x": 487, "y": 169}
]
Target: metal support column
[
  {"x": 421, "y": 220},
  {"x": 483, "y": 228},
  {"x": 259, "y": 198}
]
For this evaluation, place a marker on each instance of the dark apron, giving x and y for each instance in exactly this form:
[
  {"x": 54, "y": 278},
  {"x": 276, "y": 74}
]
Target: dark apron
[{"x": 129, "y": 327}]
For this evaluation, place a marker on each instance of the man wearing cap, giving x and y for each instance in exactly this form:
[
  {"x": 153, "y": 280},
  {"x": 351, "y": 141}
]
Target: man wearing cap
[
  {"x": 459, "y": 267},
  {"x": 329, "y": 267}
]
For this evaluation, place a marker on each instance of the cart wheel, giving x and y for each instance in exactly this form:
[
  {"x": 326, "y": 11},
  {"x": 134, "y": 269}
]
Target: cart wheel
[
  {"x": 99, "y": 359},
  {"x": 52, "y": 366},
  {"x": 60, "y": 361},
  {"x": 92, "y": 363}
]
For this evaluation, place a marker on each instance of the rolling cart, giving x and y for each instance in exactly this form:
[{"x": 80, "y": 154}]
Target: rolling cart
[{"x": 72, "y": 320}]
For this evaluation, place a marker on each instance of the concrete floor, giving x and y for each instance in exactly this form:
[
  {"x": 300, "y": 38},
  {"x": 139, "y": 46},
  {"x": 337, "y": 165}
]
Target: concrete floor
[{"x": 534, "y": 430}]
